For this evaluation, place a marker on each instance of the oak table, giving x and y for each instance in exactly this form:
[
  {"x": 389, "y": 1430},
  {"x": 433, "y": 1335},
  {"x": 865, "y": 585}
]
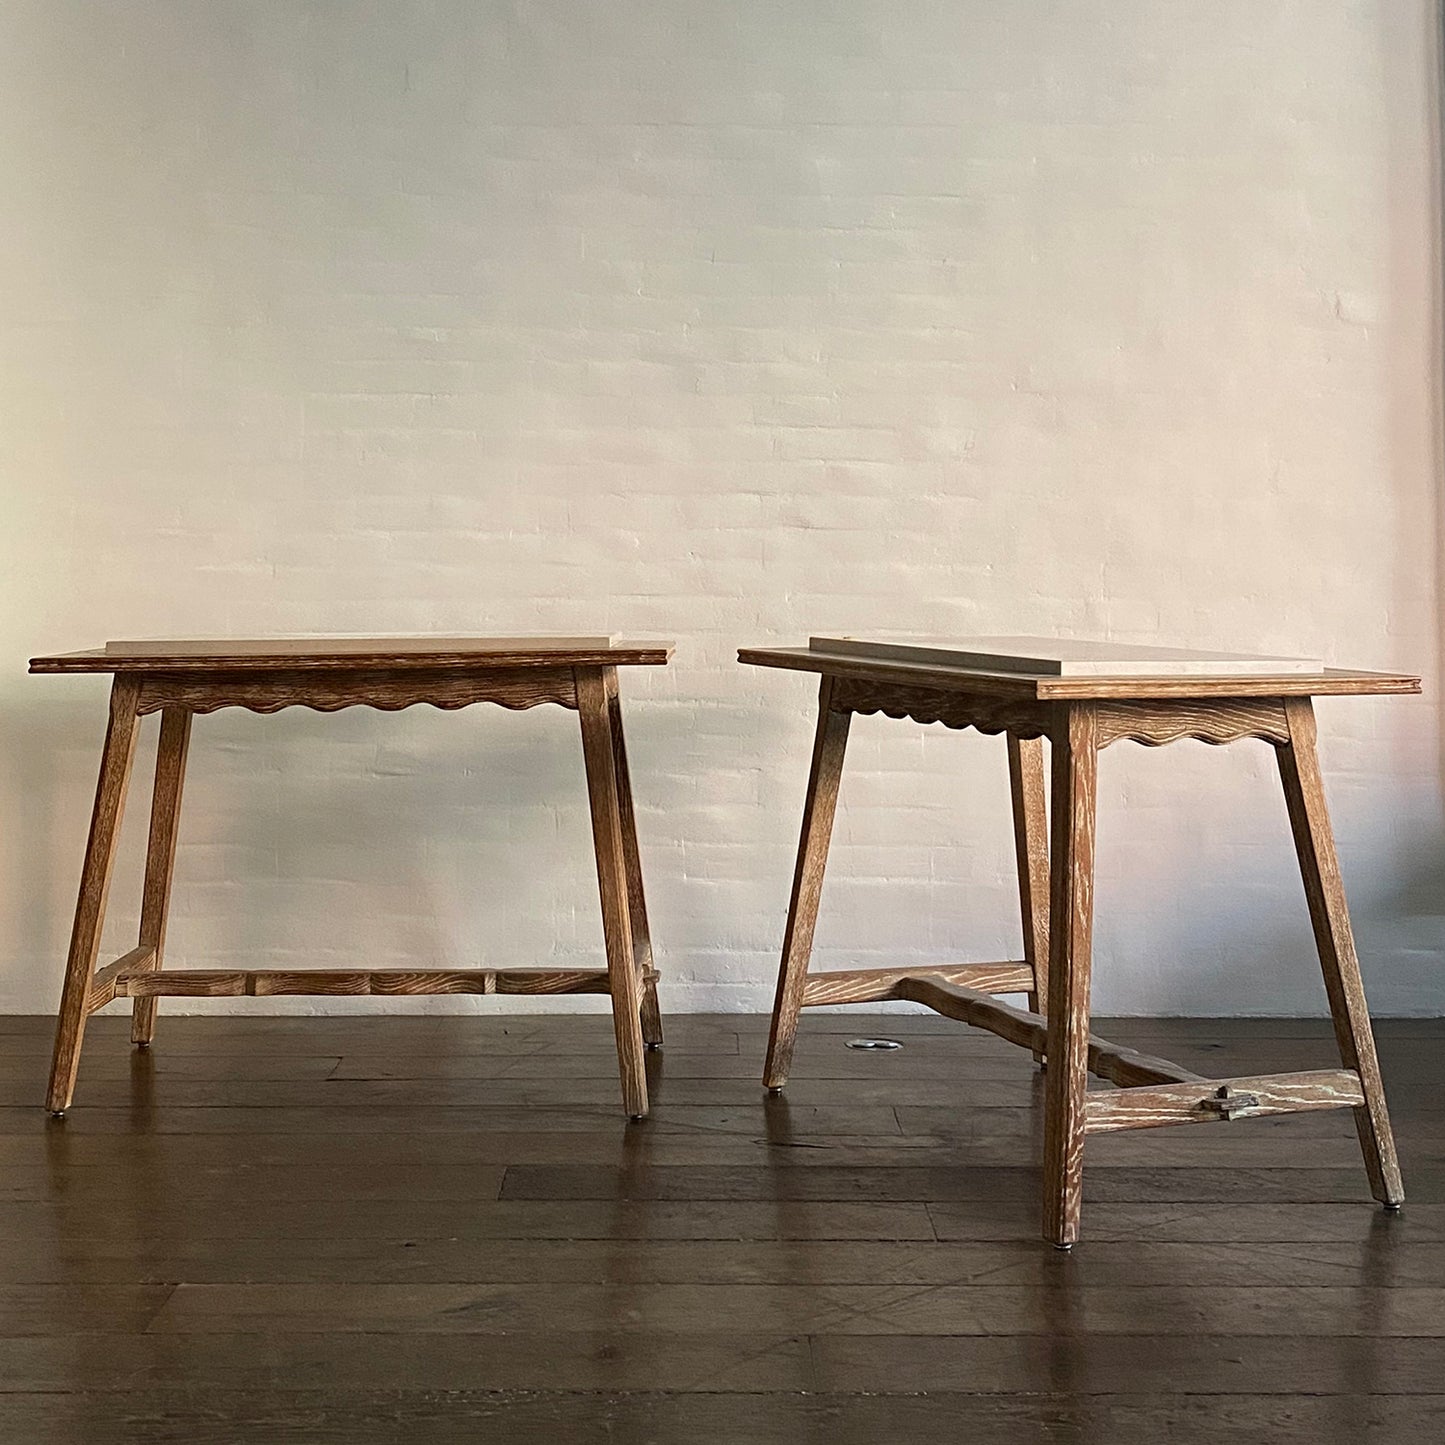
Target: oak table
[
  {"x": 1080, "y": 716},
  {"x": 180, "y": 679}
]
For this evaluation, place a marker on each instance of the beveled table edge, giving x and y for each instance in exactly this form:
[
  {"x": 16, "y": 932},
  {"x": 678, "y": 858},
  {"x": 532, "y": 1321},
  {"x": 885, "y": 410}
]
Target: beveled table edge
[
  {"x": 97, "y": 660},
  {"x": 1037, "y": 688}
]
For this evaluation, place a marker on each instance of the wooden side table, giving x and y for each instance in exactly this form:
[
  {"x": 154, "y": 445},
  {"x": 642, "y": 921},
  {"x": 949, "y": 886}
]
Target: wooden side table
[
  {"x": 180, "y": 679},
  {"x": 1079, "y": 717}
]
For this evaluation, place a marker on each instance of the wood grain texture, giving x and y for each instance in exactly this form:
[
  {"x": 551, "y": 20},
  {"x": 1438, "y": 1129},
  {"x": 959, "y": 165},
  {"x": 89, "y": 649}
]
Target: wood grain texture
[
  {"x": 1314, "y": 839},
  {"x": 599, "y": 756},
  {"x": 103, "y": 984},
  {"x": 1332, "y": 682},
  {"x": 265, "y": 982},
  {"x": 926, "y": 705},
  {"x": 970, "y": 1006},
  {"x": 1209, "y": 720},
  {"x": 1129, "y": 1068},
  {"x": 330, "y": 689},
  {"x": 1075, "y": 761},
  {"x": 170, "y": 776},
  {"x": 1190, "y": 1103},
  {"x": 110, "y": 791},
  {"x": 874, "y": 985},
  {"x": 1110, "y": 1061},
  {"x": 830, "y": 742},
  {"x": 1028, "y": 800},
  {"x": 306, "y": 654},
  {"x": 665, "y": 1406},
  {"x": 632, "y": 858}
]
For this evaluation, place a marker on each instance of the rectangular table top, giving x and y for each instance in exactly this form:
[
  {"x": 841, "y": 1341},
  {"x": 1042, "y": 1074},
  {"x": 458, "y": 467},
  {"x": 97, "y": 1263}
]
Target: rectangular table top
[
  {"x": 1067, "y": 657},
  {"x": 391, "y": 653},
  {"x": 1043, "y": 687}
]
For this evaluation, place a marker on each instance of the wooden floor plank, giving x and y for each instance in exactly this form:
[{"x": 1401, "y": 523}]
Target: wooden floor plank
[
  {"x": 570, "y": 1219},
  {"x": 649, "y": 1307},
  {"x": 77, "y": 1256},
  {"x": 462, "y": 1417},
  {"x": 426, "y": 1116},
  {"x": 79, "y": 1308},
  {"x": 275, "y": 1362},
  {"x": 1212, "y": 1222},
  {"x": 373, "y": 1228},
  {"x": 980, "y": 1182},
  {"x": 1120, "y": 1364}
]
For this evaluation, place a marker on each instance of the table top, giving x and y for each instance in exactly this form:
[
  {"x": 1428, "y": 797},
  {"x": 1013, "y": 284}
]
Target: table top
[
  {"x": 391, "y": 653},
  {"x": 1067, "y": 657},
  {"x": 1039, "y": 687}
]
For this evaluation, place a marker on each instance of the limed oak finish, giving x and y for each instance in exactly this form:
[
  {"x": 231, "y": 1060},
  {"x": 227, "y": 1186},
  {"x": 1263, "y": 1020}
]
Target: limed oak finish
[
  {"x": 180, "y": 679},
  {"x": 1079, "y": 717}
]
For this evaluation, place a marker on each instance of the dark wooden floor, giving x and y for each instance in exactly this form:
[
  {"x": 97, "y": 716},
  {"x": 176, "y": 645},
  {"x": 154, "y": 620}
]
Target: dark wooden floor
[{"x": 418, "y": 1230}]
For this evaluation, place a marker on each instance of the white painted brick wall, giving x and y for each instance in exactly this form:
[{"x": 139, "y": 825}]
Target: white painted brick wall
[{"x": 723, "y": 323}]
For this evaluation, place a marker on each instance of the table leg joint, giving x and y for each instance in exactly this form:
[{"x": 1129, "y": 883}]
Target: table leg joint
[
  {"x": 107, "y": 983},
  {"x": 1207, "y": 1101}
]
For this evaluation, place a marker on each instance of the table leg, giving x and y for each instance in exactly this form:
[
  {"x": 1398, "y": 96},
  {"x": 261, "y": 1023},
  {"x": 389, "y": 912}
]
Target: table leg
[
  {"x": 636, "y": 899},
  {"x": 1071, "y": 924},
  {"x": 161, "y": 855},
  {"x": 829, "y": 743},
  {"x": 1314, "y": 840},
  {"x": 110, "y": 791},
  {"x": 1031, "y": 848},
  {"x": 598, "y": 751}
]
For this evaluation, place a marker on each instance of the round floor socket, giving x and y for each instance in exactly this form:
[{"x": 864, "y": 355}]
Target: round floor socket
[{"x": 884, "y": 1044}]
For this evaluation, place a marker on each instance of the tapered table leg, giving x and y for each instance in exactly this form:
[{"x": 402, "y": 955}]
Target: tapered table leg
[
  {"x": 1031, "y": 849},
  {"x": 110, "y": 791},
  {"x": 161, "y": 855},
  {"x": 1071, "y": 924},
  {"x": 598, "y": 751},
  {"x": 829, "y": 744},
  {"x": 636, "y": 898},
  {"x": 1314, "y": 840}
]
